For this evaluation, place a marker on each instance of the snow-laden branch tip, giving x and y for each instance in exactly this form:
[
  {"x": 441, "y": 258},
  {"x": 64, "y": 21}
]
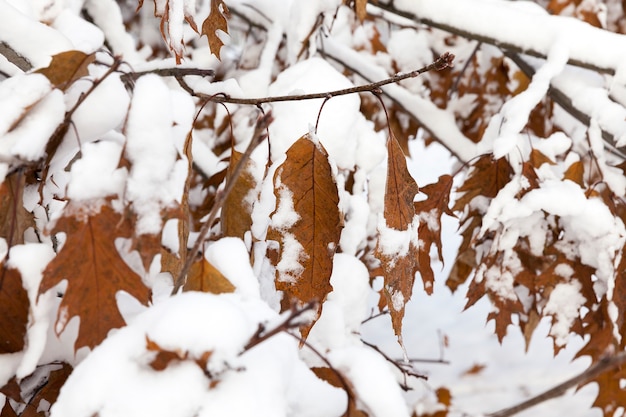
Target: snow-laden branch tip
[{"x": 500, "y": 23}]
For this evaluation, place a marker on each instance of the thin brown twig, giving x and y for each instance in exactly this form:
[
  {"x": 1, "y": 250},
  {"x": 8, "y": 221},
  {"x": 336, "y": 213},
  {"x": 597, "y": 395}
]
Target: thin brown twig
[
  {"x": 406, "y": 370},
  {"x": 444, "y": 61},
  {"x": 604, "y": 365},
  {"x": 342, "y": 380},
  {"x": 257, "y": 137},
  {"x": 289, "y": 323}
]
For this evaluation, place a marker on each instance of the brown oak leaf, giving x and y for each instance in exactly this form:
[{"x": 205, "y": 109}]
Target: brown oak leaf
[{"x": 94, "y": 269}]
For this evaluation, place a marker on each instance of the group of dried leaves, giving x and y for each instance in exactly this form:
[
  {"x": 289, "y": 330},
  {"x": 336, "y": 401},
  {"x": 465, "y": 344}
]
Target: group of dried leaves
[{"x": 95, "y": 270}]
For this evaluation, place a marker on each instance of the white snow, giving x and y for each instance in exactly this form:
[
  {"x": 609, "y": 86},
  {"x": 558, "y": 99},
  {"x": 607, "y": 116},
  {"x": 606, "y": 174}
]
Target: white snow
[
  {"x": 116, "y": 378},
  {"x": 564, "y": 304}
]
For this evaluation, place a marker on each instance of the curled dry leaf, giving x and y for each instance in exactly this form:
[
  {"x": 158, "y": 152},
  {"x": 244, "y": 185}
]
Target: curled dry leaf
[
  {"x": 399, "y": 213},
  {"x": 214, "y": 22}
]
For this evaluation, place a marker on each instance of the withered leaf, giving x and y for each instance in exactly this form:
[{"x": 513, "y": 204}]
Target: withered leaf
[
  {"x": 214, "y": 22},
  {"x": 308, "y": 176},
  {"x": 14, "y": 307},
  {"x": 67, "y": 67},
  {"x": 164, "y": 357},
  {"x": 399, "y": 213},
  {"x": 94, "y": 269},
  {"x": 575, "y": 172},
  {"x": 14, "y": 218},
  {"x": 204, "y": 277},
  {"x": 40, "y": 403},
  {"x": 236, "y": 217},
  {"x": 429, "y": 231}
]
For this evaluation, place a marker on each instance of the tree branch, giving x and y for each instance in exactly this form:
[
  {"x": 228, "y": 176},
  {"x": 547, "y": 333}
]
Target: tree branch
[
  {"x": 606, "y": 364},
  {"x": 15, "y": 57},
  {"x": 561, "y": 98},
  {"x": 444, "y": 61},
  {"x": 257, "y": 137},
  {"x": 612, "y": 40}
]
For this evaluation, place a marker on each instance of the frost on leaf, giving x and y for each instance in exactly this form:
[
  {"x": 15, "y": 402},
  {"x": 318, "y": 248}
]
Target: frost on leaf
[
  {"x": 214, "y": 22},
  {"x": 399, "y": 262},
  {"x": 429, "y": 231},
  {"x": 14, "y": 307},
  {"x": 313, "y": 228},
  {"x": 94, "y": 269},
  {"x": 67, "y": 67}
]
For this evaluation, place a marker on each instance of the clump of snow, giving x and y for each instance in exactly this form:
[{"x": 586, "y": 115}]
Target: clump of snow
[
  {"x": 156, "y": 175},
  {"x": 116, "y": 379},
  {"x": 96, "y": 173},
  {"x": 392, "y": 242},
  {"x": 31, "y": 112},
  {"x": 564, "y": 305},
  {"x": 236, "y": 266}
]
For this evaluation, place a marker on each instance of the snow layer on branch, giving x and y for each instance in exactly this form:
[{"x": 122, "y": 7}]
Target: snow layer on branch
[
  {"x": 31, "y": 111},
  {"x": 85, "y": 36},
  {"x": 25, "y": 36},
  {"x": 157, "y": 175},
  {"x": 96, "y": 173},
  {"x": 116, "y": 379},
  {"x": 503, "y": 21},
  {"x": 514, "y": 115},
  {"x": 107, "y": 15}
]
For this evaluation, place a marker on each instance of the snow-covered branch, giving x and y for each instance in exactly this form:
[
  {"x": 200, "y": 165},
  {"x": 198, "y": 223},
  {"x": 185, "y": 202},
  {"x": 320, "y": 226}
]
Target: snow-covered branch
[{"x": 501, "y": 22}]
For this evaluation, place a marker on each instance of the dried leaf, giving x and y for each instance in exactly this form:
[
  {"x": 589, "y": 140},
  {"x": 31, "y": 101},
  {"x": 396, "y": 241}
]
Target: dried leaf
[
  {"x": 236, "y": 217},
  {"x": 537, "y": 159},
  {"x": 67, "y": 67},
  {"x": 204, "y": 277},
  {"x": 399, "y": 212},
  {"x": 14, "y": 307},
  {"x": 95, "y": 271},
  {"x": 14, "y": 218},
  {"x": 214, "y": 22},
  {"x": 360, "y": 9},
  {"x": 162, "y": 9},
  {"x": 307, "y": 176},
  {"x": 575, "y": 172},
  {"x": 40, "y": 403},
  {"x": 429, "y": 231},
  {"x": 474, "y": 370},
  {"x": 164, "y": 357}
]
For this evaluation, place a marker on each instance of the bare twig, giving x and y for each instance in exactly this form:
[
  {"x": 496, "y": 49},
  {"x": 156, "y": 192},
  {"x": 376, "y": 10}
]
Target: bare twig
[
  {"x": 444, "y": 61},
  {"x": 604, "y": 365},
  {"x": 292, "y": 321},
  {"x": 257, "y": 137},
  {"x": 405, "y": 368},
  {"x": 342, "y": 380},
  {"x": 130, "y": 77}
]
